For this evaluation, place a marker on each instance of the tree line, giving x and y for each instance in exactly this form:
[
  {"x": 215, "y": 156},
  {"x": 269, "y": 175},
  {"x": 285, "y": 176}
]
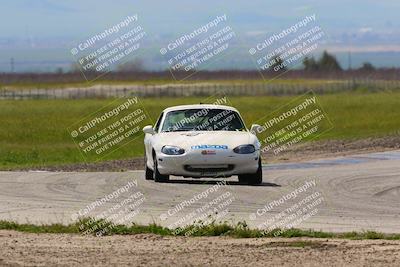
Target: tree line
[{"x": 327, "y": 62}]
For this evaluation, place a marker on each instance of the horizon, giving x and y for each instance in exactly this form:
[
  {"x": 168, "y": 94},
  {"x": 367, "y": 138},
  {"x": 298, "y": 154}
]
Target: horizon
[{"x": 41, "y": 33}]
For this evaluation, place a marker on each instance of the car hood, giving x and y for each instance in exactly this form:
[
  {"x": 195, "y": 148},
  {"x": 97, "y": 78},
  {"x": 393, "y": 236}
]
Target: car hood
[{"x": 186, "y": 140}]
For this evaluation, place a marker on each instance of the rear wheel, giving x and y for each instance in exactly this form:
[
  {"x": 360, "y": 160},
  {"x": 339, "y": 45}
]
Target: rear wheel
[
  {"x": 158, "y": 177},
  {"x": 252, "y": 178}
]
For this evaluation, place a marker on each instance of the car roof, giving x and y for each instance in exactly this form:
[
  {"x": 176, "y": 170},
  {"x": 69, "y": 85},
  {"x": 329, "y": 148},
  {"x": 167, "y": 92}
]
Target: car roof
[{"x": 199, "y": 106}]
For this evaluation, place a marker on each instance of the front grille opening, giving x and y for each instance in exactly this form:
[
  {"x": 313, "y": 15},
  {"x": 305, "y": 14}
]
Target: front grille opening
[{"x": 209, "y": 168}]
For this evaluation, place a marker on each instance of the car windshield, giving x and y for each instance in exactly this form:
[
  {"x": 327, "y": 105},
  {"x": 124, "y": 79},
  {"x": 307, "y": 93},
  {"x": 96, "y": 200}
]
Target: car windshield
[{"x": 202, "y": 120}]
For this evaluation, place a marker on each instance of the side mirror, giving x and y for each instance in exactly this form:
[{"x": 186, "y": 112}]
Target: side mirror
[
  {"x": 255, "y": 129},
  {"x": 148, "y": 129}
]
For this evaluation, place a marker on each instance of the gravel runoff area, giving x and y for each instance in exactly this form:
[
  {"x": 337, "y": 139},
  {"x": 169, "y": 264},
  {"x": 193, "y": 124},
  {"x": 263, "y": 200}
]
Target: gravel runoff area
[
  {"x": 302, "y": 152},
  {"x": 27, "y": 249}
]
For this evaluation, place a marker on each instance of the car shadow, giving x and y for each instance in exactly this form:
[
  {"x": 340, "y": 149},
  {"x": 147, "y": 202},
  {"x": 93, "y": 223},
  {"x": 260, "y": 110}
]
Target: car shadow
[{"x": 216, "y": 181}]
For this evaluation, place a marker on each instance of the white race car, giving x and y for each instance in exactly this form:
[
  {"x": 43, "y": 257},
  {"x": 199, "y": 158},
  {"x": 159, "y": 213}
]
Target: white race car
[{"x": 202, "y": 141}]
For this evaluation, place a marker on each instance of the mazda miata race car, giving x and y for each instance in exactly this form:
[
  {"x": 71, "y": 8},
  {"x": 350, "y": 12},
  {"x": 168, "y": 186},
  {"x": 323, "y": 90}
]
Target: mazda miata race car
[{"x": 202, "y": 141}]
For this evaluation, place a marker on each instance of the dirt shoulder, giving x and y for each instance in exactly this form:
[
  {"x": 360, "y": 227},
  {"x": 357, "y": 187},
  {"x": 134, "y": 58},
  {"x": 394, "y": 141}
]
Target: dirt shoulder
[
  {"x": 26, "y": 249},
  {"x": 303, "y": 152}
]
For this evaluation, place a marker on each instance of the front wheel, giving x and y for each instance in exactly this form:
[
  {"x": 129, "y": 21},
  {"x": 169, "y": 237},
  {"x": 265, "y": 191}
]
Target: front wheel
[
  {"x": 252, "y": 178},
  {"x": 158, "y": 177},
  {"x": 148, "y": 172}
]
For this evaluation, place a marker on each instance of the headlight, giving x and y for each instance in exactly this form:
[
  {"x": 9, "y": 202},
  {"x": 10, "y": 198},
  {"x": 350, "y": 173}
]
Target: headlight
[
  {"x": 244, "y": 149},
  {"x": 172, "y": 150}
]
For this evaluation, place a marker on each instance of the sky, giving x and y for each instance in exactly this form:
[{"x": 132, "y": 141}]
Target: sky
[{"x": 34, "y": 30}]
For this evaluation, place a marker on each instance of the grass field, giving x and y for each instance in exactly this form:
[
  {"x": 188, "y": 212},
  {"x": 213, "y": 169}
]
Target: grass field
[{"x": 34, "y": 132}]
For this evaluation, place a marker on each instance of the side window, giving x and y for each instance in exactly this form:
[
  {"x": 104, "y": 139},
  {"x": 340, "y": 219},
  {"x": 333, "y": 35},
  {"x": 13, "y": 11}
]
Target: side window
[{"x": 157, "y": 126}]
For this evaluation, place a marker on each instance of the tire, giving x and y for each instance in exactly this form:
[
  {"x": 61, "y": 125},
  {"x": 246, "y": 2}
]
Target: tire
[
  {"x": 243, "y": 178},
  {"x": 149, "y": 172},
  {"x": 252, "y": 178},
  {"x": 158, "y": 177}
]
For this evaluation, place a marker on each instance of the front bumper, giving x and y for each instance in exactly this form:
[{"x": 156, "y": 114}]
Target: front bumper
[{"x": 196, "y": 164}]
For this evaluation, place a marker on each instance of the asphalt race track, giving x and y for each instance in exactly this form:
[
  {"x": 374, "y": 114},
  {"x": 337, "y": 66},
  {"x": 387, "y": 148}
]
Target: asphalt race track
[{"x": 360, "y": 192}]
